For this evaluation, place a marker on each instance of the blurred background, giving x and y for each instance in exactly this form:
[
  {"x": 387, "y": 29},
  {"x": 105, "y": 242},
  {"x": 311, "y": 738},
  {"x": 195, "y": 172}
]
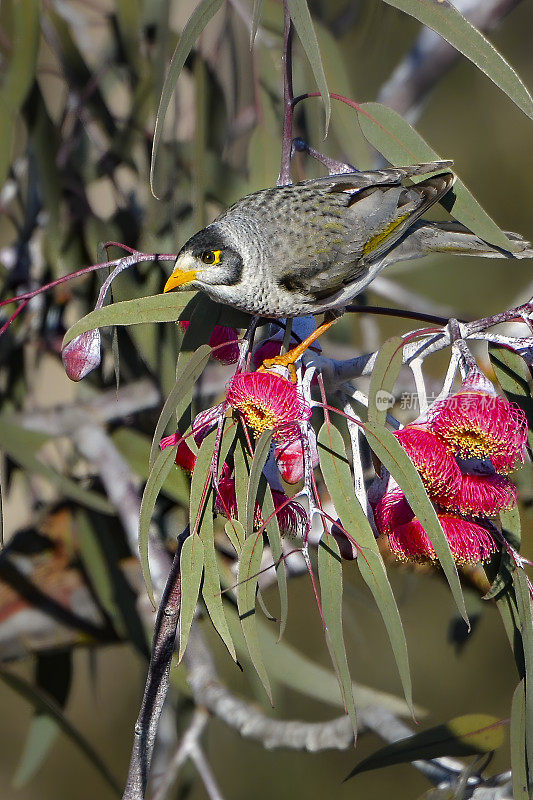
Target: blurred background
[{"x": 81, "y": 86}]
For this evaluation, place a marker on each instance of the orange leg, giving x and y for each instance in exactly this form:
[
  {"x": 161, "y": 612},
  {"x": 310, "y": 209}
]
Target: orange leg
[{"x": 288, "y": 359}]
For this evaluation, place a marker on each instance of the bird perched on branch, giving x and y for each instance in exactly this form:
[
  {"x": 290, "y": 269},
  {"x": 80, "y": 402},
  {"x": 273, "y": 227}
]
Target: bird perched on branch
[{"x": 311, "y": 247}]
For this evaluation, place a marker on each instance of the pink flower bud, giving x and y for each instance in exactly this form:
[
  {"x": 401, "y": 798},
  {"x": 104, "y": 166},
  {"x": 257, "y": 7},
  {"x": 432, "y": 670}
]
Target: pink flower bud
[{"x": 82, "y": 355}]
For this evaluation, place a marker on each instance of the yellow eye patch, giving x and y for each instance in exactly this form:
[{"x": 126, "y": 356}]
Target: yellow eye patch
[{"x": 211, "y": 256}]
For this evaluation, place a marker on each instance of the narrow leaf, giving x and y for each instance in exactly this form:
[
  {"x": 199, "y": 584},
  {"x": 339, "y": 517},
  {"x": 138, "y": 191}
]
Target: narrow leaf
[
  {"x": 155, "y": 308},
  {"x": 518, "y": 751},
  {"x": 158, "y": 474},
  {"x": 448, "y": 22},
  {"x": 336, "y": 471},
  {"x": 393, "y": 456},
  {"x": 401, "y": 144},
  {"x": 304, "y": 27},
  {"x": 262, "y": 447},
  {"x": 330, "y": 576},
  {"x": 41, "y": 736},
  {"x": 195, "y": 25},
  {"x": 191, "y": 566},
  {"x": 256, "y": 19},
  {"x": 274, "y": 540},
  {"x": 236, "y": 535},
  {"x": 384, "y": 376},
  {"x": 523, "y": 602},
  {"x": 467, "y": 735},
  {"x": 249, "y": 566},
  {"x": 180, "y": 395},
  {"x": 43, "y": 704}
]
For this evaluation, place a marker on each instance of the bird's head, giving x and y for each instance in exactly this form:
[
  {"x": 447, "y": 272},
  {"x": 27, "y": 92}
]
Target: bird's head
[{"x": 206, "y": 261}]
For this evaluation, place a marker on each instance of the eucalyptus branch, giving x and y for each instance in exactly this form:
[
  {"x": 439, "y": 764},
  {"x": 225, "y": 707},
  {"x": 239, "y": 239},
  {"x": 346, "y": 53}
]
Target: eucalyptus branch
[
  {"x": 157, "y": 680},
  {"x": 288, "y": 99}
]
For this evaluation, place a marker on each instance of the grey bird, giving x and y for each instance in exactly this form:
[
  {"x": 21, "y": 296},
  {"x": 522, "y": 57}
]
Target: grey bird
[{"x": 311, "y": 247}]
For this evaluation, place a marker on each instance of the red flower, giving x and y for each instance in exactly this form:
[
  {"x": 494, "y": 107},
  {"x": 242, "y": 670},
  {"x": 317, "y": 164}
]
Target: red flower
[
  {"x": 290, "y": 459},
  {"x": 267, "y": 402},
  {"x": 433, "y": 459},
  {"x": 292, "y": 519},
  {"x": 480, "y": 425},
  {"x": 392, "y": 511},
  {"x": 483, "y": 495},
  {"x": 469, "y": 543},
  {"x": 185, "y": 458},
  {"x": 222, "y": 335}
]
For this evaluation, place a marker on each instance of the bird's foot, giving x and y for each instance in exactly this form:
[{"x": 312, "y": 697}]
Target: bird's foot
[{"x": 289, "y": 359}]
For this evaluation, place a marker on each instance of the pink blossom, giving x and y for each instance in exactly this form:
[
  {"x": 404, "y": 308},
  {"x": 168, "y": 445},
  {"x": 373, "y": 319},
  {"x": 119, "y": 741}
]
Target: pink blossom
[
  {"x": 228, "y": 353},
  {"x": 483, "y": 495},
  {"x": 292, "y": 519},
  {"x": 290, "y": 459},
  {"x": 434, "y": 460},
  {"x": 267, "y": 402},
  {"x": 469, "y": 542}
]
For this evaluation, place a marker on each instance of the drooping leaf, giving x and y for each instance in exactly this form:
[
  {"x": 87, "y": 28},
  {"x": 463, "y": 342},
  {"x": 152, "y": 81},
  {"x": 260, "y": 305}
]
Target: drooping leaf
[
  {"x": 514, "y": 378},
  {"x": 523, "y": 602},
  {"x": 191, "y": 567},
  {"x": 241, "y": 462},
  {"x": 201, "y": 15},
  {"x": 330, "y": 577},
  {"x": 384, "y": 376},
  {"x": 392, "y": 135},
  {"x": 135, "y": 446},
  {"x": 393, "y": 456},
  {"x": 256, "y": 19},
  {"x": 336, "y": 471},
  {"x": 43, "y": 704},
  {"x": 303, "y": 24},
  {"x": 180, "y": 395},
  {"x": 154, "y": 308},
  {"x": 201, "y": 520},
  {"x": 444, "y": 18},
  {"x": 262, "y": 447},
  {"x": 158, "y": 474},
  {"x": 467, "y": 735},
  {"x": 249, "y": 566},
  {"x": 274, "y": 540},
  {"x": 518, "y": 751},
  {"x": 236, "y": 534}
]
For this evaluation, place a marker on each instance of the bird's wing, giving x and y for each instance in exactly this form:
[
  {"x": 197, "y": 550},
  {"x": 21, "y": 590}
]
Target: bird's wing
[
  {"x": 372, "y": 221},
  {"x": 362, "y": 180}
]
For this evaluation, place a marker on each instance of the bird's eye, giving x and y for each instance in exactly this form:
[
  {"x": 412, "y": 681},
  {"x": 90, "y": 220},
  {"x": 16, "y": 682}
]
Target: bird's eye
[{"x": 211, "y": 256}]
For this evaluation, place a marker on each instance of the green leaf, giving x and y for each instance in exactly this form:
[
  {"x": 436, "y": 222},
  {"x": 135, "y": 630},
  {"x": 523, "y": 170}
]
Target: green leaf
[
  {"x": 241, "y": 466},
  {"x": 401, "y": 144},
  {"x": 264, "y": 149},
  {"x": 191, "y": 566},
  {"x": 43, "y": 705},
  {"x": 304, "y": 27},
  {"x": 180, "y": 395},
  {"x": 518, "y": 751},
  {"x": 514, "y": 378},
  {"x": 236, "y": 534},
  {"x": 256, "y": 19},
  {"x": 467, "y": 735},
  {"x": 155, "y": 308},
  {"x": 21, "y": 445},
  {"x": 249, "y": 566},
  {"x": 135, "y": 446},
  {"x": 274, "y": 540},
  {"x": 448, "y": 22},
  {"x": 330, "y": 577},
  {"x": 336, "y": 471},
  {"x": 384, "y": 375},
  {"x": 262, "y": 448},
  {"x": 393, "y": 456},
  {"x": 158, "y": 474},
  {"x": 201, "y": 15},
  {"x": 523, "y": 602}
]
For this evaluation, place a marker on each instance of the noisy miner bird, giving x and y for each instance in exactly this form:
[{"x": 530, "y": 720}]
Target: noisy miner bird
[{"x": 312, "y": 246}]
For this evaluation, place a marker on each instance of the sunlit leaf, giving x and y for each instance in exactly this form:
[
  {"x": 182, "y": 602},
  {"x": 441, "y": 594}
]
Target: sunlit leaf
[
  {"x": 523, "y": 602},
  {"x": 446, "y": 20},
  {"x": 236, "y": 534},
  {"x": 392, "y": 135},
  {"x": 262, "y": 447},
  {"x": 42, "y": 704},
  {"x": 191, "y": 567},
  {"x": 336, "y": 471},
  {"x": 384, "y": 375},
  {"x": 201, "y": 15},
  {"x": 249, "y": 566},
  {"x": 393, "y": 456},
  {"x": 304, "y": 27},
  {"x": 274, "y": 540},
  {"x": 330, "y": 577},
  {"x": 155, "y": 308},
  {"x": 158, "y": 474},
  {"x": 467, "y": 735}
]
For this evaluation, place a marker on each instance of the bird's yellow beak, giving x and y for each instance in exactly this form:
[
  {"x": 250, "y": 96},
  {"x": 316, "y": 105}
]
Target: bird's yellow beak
[{"x": 181, "y": 275}]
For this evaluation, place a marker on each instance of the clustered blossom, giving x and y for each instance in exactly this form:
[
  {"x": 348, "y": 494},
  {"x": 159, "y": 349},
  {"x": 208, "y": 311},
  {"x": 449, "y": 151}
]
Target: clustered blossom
[
  {"x": 267, "y": 401},
  {"x": 460, "y": 449}
]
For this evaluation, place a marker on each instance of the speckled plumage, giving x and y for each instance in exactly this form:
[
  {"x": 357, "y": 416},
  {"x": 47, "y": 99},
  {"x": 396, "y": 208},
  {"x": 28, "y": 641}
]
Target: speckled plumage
[{"x": 312, "y": 246}]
